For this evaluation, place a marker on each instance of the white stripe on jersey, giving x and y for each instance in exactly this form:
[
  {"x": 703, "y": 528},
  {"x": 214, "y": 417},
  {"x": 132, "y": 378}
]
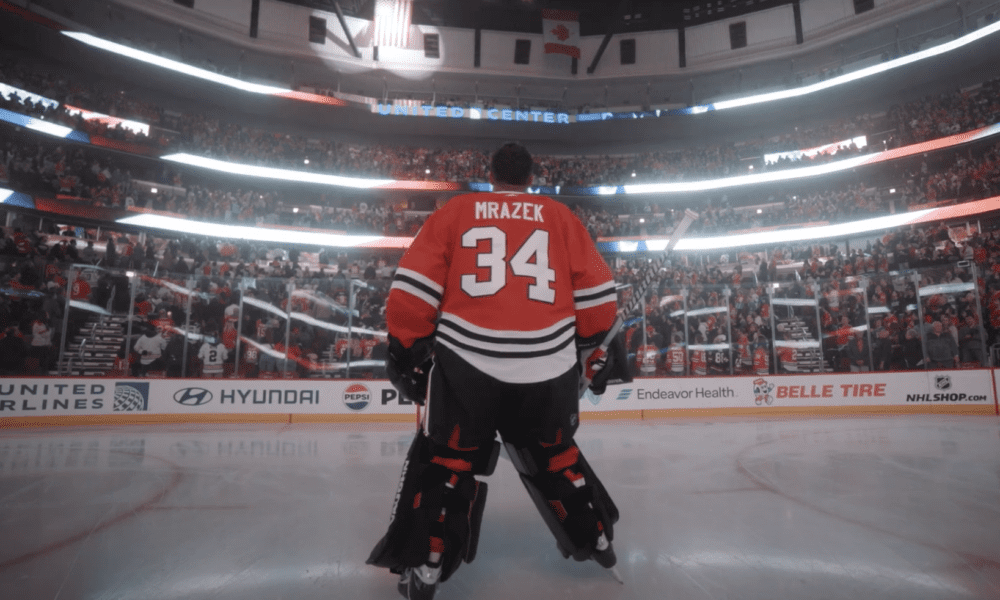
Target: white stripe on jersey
[
  {"x": 595, "y": 296},
  {"x": 604, "y": 287},
  {"x": 512, "y": 356},
  {"x": 419, "y": 293},
  {"x": 519, "y": 370},
  {"x": 421, "y": 286},
  {"x": 421, "y": 279},
  {"x": 507, "y": 342},
  {"x": 505, "y": 333}
]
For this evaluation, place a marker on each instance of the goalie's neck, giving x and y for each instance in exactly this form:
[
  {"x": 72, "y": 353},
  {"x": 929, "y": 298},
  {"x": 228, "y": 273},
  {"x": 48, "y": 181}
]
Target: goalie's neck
[{"x": 502, "y": 187}]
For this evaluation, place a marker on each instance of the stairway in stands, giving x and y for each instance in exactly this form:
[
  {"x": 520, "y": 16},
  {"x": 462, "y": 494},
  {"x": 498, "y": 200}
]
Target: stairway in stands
[
  {"x": 807, "y": 360},
  {"x": 92, "y": 351}
]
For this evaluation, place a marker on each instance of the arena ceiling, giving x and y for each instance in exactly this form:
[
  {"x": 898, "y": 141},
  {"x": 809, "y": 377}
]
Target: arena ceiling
[
  {"x": 204, "y": 47},
  {"x": 597, "y": 17}
]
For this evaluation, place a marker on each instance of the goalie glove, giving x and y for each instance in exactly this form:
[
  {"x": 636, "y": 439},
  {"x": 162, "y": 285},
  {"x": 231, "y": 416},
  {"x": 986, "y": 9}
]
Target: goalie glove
[
  {"x": 602, "y": 358},
  {"x": 409, "y": 368}
]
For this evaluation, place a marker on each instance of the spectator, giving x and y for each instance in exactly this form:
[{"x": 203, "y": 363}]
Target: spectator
[
  {"x": 942, "y": 351},
  {"x": 41, "y": 342},
  {"x": 213, "y": 354},
  {"x": 173, "y": 354},
  {"x": 857, "y": 353},
  {"x": 883, "y": 346},
  {"x": 12, "y": 352},
  {"x": 89, "y": 255},
  {"x": 970, "y": 342},
  {"x": 149, "y": 347}
]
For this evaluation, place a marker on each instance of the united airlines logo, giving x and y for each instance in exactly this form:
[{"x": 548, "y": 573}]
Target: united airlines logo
[
  {"x": 193, "y": 396},
  {"x": 132, "y": 396}
]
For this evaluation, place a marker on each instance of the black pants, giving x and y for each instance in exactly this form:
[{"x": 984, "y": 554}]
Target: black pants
[
  {"x": 467, "y": 407},
  {"x": 140, "y": 370}
]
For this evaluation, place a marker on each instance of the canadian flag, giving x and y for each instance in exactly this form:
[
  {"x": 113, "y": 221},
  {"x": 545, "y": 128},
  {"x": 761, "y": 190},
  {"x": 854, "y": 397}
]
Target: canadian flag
[{"x": 562, "y": 32}]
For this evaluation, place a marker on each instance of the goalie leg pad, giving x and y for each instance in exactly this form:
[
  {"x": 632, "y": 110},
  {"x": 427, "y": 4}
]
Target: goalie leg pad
[
  {"x": 571, "y": 499},
  {"x": 476, "y": 519},
  {"x": 438, "y": 508}
]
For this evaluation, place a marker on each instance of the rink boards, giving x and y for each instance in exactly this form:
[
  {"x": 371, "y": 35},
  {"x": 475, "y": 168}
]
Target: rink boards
[{"x": 56, "y": 401}]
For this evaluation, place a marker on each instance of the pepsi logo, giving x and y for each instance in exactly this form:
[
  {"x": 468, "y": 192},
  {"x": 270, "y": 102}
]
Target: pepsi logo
[{"x": 357, "y": 396}]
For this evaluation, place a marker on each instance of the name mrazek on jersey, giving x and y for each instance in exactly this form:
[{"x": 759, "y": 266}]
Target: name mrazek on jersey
[{"x": 527, "y": 211}]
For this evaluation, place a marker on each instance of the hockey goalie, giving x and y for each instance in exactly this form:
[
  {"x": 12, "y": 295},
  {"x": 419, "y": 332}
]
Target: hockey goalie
[{"x": 500, "y": 315}]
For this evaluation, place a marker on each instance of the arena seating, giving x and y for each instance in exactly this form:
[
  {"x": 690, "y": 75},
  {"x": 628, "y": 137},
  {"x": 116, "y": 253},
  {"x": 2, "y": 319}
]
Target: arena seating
[{"x": 871, "y": 290}]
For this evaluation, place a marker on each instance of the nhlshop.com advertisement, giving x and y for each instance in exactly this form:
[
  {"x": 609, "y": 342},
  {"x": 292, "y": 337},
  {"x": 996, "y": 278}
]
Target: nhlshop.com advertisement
[{"x": 960, "y": 387}]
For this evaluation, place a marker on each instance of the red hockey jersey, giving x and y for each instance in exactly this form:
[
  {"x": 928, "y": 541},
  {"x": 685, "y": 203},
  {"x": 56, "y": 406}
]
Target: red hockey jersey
[
  {"x": 506, "y": 280},
  {"x": 699, "y": 363},
  {"x": 676, "y": 358}
]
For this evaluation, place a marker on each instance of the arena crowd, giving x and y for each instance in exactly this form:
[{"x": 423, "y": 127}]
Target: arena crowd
[{"x": 866, "y": 313}]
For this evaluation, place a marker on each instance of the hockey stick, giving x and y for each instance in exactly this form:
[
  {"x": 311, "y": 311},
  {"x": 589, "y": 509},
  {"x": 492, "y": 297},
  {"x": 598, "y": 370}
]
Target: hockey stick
[
  {"x": 639, "y": 290},
  {"x": 650, "y": 273}
]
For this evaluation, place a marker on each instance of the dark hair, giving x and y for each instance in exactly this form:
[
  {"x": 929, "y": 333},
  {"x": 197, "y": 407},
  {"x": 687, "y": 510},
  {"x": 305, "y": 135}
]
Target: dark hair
[{"x": 511, "y": 164}]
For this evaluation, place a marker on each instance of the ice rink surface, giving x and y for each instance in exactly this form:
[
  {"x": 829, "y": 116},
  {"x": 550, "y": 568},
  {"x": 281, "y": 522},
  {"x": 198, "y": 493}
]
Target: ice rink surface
[{"x": 797, "y": 508}]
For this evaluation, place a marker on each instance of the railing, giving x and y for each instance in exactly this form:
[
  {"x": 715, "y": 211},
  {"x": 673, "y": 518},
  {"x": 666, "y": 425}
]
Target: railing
[
  {"x": 221, "y": 325},
  {"x": 79, "y": 355},
  {"x": 719, "y": 320},
  {"x": 928, "y": 318}
]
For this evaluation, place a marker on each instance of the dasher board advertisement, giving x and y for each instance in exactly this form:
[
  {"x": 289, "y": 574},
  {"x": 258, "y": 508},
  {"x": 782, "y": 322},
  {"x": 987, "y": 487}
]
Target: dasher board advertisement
[
  {"x": 55, "y": 397},
  {"x": 917, "y": 388},
  {"x": 74, "y": 397}
]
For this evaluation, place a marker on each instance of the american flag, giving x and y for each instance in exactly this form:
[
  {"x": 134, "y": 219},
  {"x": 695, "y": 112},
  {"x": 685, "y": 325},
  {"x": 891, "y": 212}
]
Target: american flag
[{"x": 392, "y": 23}]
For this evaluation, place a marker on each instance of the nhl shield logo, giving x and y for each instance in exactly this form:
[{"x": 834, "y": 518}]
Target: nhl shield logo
[
  {"x": 762, "y": 391},
  {"x": 942, "y": 382}
]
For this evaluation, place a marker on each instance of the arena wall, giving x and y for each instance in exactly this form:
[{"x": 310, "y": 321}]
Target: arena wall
[
  {"x": 817, "y": 15},
  {"x": 766, "y": 30},
  {"x": 283, "y": 29},
  {"x": 102, "y": 401}
]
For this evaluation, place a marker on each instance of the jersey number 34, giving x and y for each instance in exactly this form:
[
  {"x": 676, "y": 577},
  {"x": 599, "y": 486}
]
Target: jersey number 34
[{"x": 531, "y": 260}]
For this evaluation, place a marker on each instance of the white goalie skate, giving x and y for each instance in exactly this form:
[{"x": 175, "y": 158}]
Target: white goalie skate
[
  {"x": 419, "y": 583},
  {"x": 604, "y": 555}
]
